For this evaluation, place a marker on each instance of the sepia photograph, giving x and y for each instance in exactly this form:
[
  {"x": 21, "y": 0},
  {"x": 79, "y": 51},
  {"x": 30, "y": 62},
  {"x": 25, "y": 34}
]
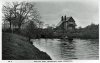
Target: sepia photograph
[{"x": 50, "y": 30}]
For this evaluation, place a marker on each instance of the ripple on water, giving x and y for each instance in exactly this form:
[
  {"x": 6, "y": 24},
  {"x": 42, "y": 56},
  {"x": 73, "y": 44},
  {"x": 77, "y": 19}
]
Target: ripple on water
[{"x": 64, "y": 50}]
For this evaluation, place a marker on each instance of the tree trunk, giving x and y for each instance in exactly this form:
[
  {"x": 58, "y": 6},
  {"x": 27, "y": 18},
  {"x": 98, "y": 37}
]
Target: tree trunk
[
  {"x": 19, "y": 26},
  {"x": 10, "y": 26}
]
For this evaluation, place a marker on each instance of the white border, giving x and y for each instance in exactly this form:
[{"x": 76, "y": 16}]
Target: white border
[{"x": 32, "y": 61}]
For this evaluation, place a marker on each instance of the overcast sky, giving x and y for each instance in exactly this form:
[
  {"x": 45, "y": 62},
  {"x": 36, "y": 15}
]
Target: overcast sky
[{"x": 84, "y": 12}]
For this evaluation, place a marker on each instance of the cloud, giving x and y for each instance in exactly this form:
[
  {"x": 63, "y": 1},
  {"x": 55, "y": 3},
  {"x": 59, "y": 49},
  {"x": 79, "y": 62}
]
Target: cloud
[{"x": 83, "y": 11}]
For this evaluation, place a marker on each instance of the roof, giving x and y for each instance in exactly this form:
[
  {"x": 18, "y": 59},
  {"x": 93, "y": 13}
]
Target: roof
[
  {"x": 68, "y": 18},
  {"x": 64, "y": 21}
]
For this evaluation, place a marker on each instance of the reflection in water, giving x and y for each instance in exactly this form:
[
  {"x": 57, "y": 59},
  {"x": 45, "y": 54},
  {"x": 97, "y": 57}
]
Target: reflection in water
[
  {"x": 64, "y": 50},
  {"x": 68, "y": 50}
]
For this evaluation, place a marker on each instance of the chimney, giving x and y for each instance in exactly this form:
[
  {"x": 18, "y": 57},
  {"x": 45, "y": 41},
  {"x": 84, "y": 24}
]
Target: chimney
[{"x": 65, "y": 18}]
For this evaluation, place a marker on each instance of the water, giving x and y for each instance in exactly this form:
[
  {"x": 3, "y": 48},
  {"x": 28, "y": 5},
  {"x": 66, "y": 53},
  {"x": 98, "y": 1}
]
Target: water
[{"x": 64, "y": 50}]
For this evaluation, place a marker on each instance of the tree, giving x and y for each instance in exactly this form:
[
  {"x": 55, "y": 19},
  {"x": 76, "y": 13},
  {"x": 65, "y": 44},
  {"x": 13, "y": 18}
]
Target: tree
[
  {"x": 19, "y": 13},
  {"x": 7, "y": 13},
  {"x": 40, "y": 24},
  {"x": 30, "y": 30}
]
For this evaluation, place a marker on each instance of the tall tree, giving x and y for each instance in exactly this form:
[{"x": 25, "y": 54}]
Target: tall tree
[
  {"x": 8, "y": 13},
  {"x": 20, "y": 13}
]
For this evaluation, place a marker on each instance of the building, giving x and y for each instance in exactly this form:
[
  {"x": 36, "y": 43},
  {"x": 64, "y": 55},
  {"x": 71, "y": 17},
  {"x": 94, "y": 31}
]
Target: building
[{"x": 66, "y": 24}]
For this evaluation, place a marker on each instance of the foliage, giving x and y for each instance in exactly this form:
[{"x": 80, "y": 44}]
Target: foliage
[
  {"x": 89, "y": 32},
  {"x": 47, "y": 32},
  {"x": 30, "y": 30}
]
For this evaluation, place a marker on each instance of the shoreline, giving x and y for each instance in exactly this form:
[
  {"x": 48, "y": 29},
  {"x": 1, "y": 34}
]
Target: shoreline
[{"x": 16, "y": 47}]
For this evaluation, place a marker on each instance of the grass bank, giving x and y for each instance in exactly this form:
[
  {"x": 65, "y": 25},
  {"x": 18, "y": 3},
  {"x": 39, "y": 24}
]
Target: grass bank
[{"x": 16, "y": 47}]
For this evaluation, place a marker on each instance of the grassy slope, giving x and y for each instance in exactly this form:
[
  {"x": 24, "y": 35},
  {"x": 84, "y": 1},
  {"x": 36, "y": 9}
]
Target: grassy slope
[{"x": 15, "y": 47}]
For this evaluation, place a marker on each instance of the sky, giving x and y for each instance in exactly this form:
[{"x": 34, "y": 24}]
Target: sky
[{"x": 84, "y": 12}]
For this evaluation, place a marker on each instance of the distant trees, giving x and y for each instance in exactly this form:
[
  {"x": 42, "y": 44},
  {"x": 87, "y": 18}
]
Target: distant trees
[
  {"x": 47, "y": 32},
  {"x": 19, "y": 13},
  {"x": 88, "y": 32}
]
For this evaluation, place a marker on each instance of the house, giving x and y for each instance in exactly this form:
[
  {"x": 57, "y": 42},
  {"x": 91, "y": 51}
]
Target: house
[{"x": 66, "y": 24}]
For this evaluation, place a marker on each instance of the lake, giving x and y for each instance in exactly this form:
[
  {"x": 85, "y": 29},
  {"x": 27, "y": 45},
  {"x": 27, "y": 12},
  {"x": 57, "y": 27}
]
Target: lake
[{"x": 78, "y": 49}]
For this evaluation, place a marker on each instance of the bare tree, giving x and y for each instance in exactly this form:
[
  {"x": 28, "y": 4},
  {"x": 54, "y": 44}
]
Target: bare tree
[
  {"x": 8, "y": 13},
  {"x": 19, "y": 13}
]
